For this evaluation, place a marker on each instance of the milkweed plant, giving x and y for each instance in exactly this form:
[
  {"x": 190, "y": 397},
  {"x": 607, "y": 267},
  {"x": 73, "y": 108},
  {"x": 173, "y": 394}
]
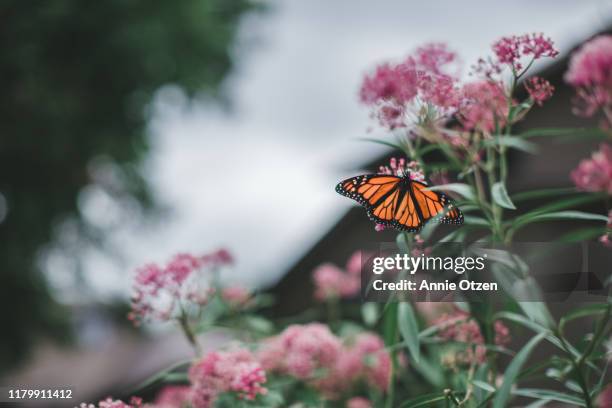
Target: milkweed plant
[{"x": 414, "y": 354}]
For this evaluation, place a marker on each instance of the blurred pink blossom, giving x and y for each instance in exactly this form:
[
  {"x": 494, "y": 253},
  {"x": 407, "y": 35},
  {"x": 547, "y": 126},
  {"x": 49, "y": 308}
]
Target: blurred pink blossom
[
  {"x": 331, "y": 282},
  {"x": 604, "y": 399},
  {"x": 595, "y": 174},
  {"x": 539, "y": 89},
  {"x": 484, "y": 105},
  {"x": 236, "y": 296},
  {"x": 111, "y": 403},
  {"x": 365, "y": 359},
  {"x": 590, "y": 72},
  {"x": 399, "y": 167},
  {"x": 358, "y": 402},
  {"x": 422, "y": 79},
  {"x": 300, "y": 351},
  {"x": 459, "y": 326},
  {"x": 158, "y": 291},
  {"x": 226, "y": 371},
  {"x": 173, "y": 396}
]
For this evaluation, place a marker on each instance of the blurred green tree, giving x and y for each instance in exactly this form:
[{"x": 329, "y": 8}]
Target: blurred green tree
[{"x": 76, "y": 77}]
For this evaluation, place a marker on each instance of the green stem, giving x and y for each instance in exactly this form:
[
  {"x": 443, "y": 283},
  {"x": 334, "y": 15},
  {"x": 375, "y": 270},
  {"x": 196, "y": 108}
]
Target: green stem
[{"x": 189, "y": 334}]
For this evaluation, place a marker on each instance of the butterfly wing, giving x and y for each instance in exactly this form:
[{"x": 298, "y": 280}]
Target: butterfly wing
[
  {"x": 404, "y": 206},
  {"x": 432, "y": 204}
]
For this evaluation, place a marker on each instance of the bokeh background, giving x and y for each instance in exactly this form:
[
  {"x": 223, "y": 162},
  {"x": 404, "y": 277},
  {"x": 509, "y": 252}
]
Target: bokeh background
[{"x": 132, "y": 130}]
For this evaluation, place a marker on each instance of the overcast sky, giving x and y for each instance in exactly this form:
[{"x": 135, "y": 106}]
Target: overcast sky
[{"x": 260, "y": 179}]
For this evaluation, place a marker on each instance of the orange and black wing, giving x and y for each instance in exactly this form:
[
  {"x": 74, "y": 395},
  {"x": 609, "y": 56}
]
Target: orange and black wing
[
  {"x": 377, "y": 193},
  {"x": 432, "y": 204}
]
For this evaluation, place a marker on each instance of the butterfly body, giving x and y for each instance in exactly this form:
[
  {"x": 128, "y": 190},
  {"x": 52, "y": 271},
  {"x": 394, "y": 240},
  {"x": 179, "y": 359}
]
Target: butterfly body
[{"x": 399, "y": 202}]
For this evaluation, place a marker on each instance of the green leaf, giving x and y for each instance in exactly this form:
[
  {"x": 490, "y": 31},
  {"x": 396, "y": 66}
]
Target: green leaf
[
  {"x": 473, "y": 220},
  {"x": 402, "y": 242},
  {"x": 370, "y": 313},
  {"x": 549, "y": 395},
  {"x": 462, "y": 189},
  {"x": 502, "y": 397},
  {"x": 566, "y": 134},
  {"x": 501, "y": 197},
  {"x": 390, "y": 323},
  {"x": 423, "y": 400},
  {"x": 558, "y": 215},
  {"x": 556, "y": 206},
  {"x": 484, "y": 385},
  {"x": 547, "y": 192},
  {"x": 582, "y": 234},
  {"x": 409, "y": 328},
  {"x": 258, "y": 324},
  {"x": 382, "y": 142},
  {"x": 523, "y": 321},
  {"x": 584, "y": 311},
  {"x": 514, "y": 142}
]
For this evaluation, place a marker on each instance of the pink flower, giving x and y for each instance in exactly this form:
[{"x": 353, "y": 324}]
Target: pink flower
[
  {"x": 422, "y": 80},
  {"x": 595, "y": 174},
  {"x": 300, "y": 351},
  {"x": 604, "y": 399},
  {"x": 592, "y": 63},
  {"x": 605, "y": 239},
  {"x": 484, "y": 104},
  {"x": 512, "y": 50},
  {"x": 332, "y": 282},
  {"x": 590, "y": 72},
  {"x": 435, "y": 58},
  {"x": 236, "y": 296},
  {"x": 358, "y": 402},
  {"x": 399, "y": 167},
  {"x": 159, "y": 291},
  {"x": 173, "y": 396},
  {"x": 459, "y": 326},
  {"x": 379, "y": 227},
  {"x": 539, "y": 89},
  {"x": 229, "y": 371},
  {"x": 394, "y": 83},
  {"x": 365, "y": 360},
  {"x": 110, "y": 403}
]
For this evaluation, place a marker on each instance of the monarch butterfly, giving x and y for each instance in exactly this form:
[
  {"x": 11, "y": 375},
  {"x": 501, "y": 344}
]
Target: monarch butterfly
[{"x": 399, "y": 202}]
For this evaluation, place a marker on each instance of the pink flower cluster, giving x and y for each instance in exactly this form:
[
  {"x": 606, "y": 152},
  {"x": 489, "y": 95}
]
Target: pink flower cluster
[
  {"x": 300, "y": 350},
  {"x": 399, "y": 167},
  {"x": 423, "y": 85},
  {"x": 422, "y": 78},
  {"x": 173, "y": 396},
  {"x": 135, "y": 402},
  {"x": 513, "y": 50},
  {"x": 229, "y": 371},
  {"x": 595, "y": 174},
  {"x": 157, "y": 291},
  {"x": 590, "y": 72},
  {"x": 331, "y": 282},
  {"x": 365, "y": 360},
  {"x": 459, "y": 326},
  {"x": 312, "y": 353},
  {"x": 484, "y": 105},
  {"x": 539, "y": 89}
]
